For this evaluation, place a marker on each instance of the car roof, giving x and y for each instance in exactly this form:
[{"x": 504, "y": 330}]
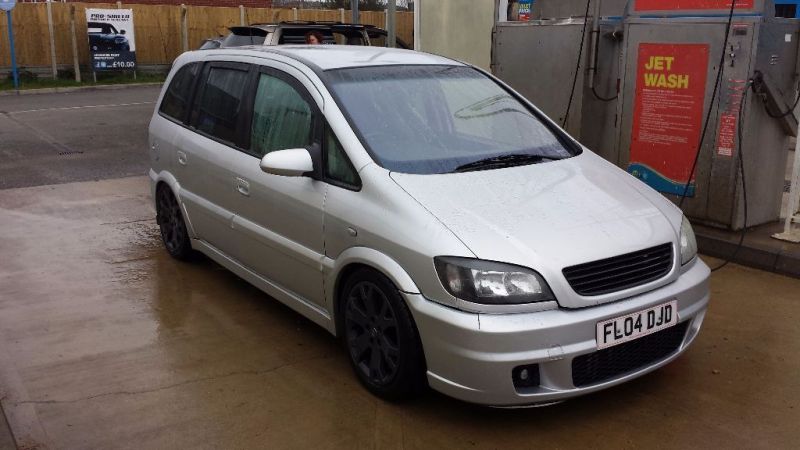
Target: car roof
[
  {"x": 311, "y": 25},
  {"x": 330, "y": 57}
]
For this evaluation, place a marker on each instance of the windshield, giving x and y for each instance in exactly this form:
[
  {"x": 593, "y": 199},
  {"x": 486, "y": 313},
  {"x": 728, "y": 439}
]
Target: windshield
[
  {"x": 242, "y": 38},
  {"x": 436, "y": 119}
]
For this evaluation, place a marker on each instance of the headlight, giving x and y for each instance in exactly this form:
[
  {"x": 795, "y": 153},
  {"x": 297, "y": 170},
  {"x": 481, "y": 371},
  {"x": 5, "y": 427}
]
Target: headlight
[
  {"x": 688, "y": 242},
  {"x": 491, "y": 283}
]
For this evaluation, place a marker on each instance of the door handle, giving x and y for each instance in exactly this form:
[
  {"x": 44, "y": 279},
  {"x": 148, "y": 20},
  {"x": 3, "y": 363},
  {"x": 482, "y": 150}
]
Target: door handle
[
  {"x": 182, "y": 158},
  {"x": 243, "y": 187}
]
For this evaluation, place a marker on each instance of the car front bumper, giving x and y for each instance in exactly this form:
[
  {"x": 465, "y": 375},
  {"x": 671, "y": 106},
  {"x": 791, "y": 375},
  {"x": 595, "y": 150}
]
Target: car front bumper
[{"x": 471, "y": 356}]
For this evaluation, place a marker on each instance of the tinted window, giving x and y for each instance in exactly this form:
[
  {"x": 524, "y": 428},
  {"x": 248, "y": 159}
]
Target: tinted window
[
  {"x": 298, "y": 36},
  {"x": 337, "y": 164},
  {"x": 218, "y": 104},
  {"x": 434, "y": 119},
  {"x": 380, "y": 38},
  {"x": 176, "y": 100},
  {"x": 239, "y": 40},
  {"x": 210, "y": 44},
  {"x": 282, "y": 118}
]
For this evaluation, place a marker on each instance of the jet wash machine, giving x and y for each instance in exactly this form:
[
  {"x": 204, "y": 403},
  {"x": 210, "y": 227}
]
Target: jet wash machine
[{"x": 647, "y": 76}]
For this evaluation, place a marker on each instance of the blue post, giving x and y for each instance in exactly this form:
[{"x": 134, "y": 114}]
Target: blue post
[{"x": 13, "y": 52}]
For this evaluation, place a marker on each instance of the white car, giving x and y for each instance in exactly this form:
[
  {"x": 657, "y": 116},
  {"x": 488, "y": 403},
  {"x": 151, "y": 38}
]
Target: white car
[{"x": 427, "y": 214}]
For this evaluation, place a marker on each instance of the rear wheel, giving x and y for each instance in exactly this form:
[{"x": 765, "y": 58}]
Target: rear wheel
[
  {"x": 381, "y": 337},
  {"x": 173, "y": 228}
]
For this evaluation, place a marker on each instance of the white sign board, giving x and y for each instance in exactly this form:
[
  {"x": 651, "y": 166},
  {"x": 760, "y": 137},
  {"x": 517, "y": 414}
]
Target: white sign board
[{"x": 112, "y": 42}]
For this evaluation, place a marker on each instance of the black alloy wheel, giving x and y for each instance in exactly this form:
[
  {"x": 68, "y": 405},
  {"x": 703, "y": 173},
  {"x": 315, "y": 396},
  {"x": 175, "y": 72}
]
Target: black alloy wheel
[
  {"x": 173, "y": 228},
  {"x": 381, "y": 338}
]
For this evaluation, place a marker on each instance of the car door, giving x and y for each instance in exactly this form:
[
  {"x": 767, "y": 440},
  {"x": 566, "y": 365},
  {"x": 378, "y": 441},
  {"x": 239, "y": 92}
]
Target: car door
[
  {"x": 205, "y": 148},
  {"x": 279, "y": 219}
]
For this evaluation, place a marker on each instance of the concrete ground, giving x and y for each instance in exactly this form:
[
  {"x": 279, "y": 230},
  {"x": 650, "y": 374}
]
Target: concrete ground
[{"x": 106, "y": 342}]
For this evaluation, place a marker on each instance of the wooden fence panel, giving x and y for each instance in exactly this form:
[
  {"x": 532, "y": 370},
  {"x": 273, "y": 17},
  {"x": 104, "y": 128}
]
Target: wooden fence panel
[
  {"x": 209, "y": 21},
  {"x": 157, "y": 29},
  {"x": 268, "y": 15},
  {"x": 30, "y": 35}
]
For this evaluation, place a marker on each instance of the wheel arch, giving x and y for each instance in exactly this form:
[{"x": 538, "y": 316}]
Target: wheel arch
[
  {"x": 164, "y": 178},
  {"x": 353, "y": 259}
]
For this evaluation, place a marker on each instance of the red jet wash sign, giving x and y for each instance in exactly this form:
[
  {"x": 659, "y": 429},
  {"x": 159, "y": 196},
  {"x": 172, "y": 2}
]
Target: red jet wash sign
[
  {"x": 676, "y": 5},
  {"x": 668, "y": 114}
]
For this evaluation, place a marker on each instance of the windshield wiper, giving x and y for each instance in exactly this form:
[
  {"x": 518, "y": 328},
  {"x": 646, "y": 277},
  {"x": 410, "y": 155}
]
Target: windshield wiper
[{"x": 496, "y": 162}]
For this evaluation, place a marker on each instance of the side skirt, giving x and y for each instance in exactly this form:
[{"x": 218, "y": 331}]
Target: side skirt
[{"x": 311, "y": 311}]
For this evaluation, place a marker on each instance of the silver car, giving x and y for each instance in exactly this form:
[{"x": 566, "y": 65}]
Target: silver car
[{"x": 428, "y": 215}]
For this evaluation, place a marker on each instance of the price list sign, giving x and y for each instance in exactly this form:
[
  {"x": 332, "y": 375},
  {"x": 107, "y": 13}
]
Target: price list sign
[{"x": 112, "y": 42}]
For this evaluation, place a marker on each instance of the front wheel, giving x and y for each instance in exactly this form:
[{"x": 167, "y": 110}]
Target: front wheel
[{"x": 381, "y": 337}]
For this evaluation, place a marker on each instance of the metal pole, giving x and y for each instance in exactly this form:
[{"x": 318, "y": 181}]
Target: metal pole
[
  {"x": 241, "y": 15},
  {"x": 391, "y": 29},
  {"x": 14, "y": 70},
  {"x": 793, "y": 212},
  {"x": 75, "y": 62},
  {"x": 354, "y": 5},
  {"x": 595, "y": 43},
  {"x": 417, "y": 25},
  {"x": 52, "y": 39}
]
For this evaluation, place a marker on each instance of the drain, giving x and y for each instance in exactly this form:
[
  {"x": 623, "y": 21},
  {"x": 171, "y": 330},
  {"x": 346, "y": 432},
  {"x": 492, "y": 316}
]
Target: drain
[{"x": 70, "y": 152}]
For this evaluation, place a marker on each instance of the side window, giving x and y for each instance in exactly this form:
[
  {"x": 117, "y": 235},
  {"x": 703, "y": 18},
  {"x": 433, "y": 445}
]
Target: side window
[
  {"x": 282, "y": 118},
  {"x": 377, "y": 39},
  {"x": 176, "y": 100},
  {"x": 337, "y": 165},
  {"x": 218, "y": 104}
]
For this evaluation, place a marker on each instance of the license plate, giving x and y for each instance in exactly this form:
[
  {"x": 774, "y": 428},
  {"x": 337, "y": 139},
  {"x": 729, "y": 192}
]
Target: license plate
[{"x": 633, "y": 326}]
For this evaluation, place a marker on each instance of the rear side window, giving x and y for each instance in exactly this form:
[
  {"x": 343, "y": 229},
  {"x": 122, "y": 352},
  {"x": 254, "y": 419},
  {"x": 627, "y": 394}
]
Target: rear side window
[
  {"x": 176, "y": 100},
  {"x": 282, "y": 118},
  {"x": 219, "y": 103}
]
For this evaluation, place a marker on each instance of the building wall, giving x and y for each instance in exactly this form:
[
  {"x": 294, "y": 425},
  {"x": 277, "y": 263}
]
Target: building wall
[{"x": 458, "y": 29}]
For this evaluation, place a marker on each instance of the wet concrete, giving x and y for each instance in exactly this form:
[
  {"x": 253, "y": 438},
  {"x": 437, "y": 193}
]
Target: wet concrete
[
  {"x": 6, "y": 438},
  {"x": 106, "y": 342}
]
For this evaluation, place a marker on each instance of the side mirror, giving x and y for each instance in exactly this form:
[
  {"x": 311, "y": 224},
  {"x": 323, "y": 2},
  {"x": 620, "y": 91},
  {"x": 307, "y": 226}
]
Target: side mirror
[
  {"x": 122, "y": 32},
  {"x": 295, "y": 162}
]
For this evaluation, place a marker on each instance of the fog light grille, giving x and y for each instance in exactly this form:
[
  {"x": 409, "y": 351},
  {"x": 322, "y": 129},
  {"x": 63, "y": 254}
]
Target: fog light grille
[{"x": 526, "y": 376}]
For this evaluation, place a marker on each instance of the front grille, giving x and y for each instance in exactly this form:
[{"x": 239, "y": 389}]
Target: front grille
[
  {"x": 620, "y": 272},
  {"x": 616, "y": 361}
]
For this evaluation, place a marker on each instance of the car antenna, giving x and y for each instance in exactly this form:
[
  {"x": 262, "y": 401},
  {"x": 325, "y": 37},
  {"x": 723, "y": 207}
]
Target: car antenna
[{"x": 249, "y": 28}]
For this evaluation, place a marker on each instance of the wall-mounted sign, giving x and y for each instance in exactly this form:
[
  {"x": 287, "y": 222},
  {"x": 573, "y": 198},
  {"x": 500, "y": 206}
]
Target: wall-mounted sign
[
  {"x": 112, "y": 43},
  {"x": 668, "y": 114},
  {"x": 673, "y": 5},
  {"x": 525, "y": 10}
]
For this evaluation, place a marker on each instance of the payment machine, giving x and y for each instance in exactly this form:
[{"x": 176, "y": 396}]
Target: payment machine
[{"x": 647, "y": 75}]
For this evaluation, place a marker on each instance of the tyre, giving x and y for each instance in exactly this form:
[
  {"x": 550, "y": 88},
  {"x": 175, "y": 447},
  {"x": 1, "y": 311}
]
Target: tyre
[
  {"x": 381, "y": 338},
  {"x": 173, "y": 228}
]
